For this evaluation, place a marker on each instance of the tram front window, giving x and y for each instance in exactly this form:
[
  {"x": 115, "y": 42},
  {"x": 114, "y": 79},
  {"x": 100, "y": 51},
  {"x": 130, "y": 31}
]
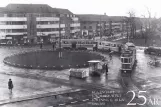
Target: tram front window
[
  {"x": 126, "y": 66},
  {"x": 126, "y": 60}
]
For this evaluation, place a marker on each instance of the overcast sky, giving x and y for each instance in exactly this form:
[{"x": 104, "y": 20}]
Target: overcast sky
[{"x": 110, "y": 7}]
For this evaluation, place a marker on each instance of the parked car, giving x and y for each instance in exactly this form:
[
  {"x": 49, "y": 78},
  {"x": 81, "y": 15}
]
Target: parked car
[{"x": 153, "y": 50}]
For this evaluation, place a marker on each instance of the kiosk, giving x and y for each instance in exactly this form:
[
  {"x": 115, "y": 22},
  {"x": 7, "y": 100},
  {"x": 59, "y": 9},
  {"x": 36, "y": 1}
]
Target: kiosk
[{"x": 96, "y": 67}]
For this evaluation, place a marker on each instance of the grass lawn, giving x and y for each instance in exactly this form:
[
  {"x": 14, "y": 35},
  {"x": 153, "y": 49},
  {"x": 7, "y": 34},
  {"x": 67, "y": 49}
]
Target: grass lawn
[{"x": 50, "y": 59}]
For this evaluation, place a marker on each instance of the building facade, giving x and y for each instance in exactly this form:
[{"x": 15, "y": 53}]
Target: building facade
[
  {"x": 101, "y": 25},
  {"x": 34, "y": 23}
]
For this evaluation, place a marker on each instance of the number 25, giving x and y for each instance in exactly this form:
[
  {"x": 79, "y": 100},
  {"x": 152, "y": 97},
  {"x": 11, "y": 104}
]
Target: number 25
[{"x": 139, "y": 96}]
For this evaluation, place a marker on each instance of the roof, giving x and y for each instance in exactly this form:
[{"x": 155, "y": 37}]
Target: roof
[
  {"x": 32, "y": 8},
  {"x": 94, "y": 61},
  {"x": 29, "y": 8},
  {"x": 62, "y": 11},
  {"x": 117, "y": 18},
  {"x": 92, "y": 17},
  {"x": 95, "y": 17},
  {"x": 129, "y": 44}
]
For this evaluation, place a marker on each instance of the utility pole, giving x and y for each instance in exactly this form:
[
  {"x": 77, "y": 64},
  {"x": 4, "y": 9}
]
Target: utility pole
[{"x": 60, "y": 50}]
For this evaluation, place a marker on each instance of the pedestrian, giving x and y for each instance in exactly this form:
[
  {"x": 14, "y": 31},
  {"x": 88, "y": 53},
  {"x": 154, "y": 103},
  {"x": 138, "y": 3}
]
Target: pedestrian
[
  {"x": 40, "y": 45},
  {"x": 106, "y": 69},
  {"x": 110, "y": 55},
  {"x": 10, "y": 85},
  {"x": 53, "y": 46},
  {"x": 109, "y": 50},
  {"x": 94, "y": 47},
  {"x": 120, "y": 49}
]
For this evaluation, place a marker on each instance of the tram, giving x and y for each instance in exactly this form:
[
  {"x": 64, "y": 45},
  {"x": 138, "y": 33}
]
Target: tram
[
  {"x": 76, "y": 43},
  {"x": 128, "y": 57},
  {"x": 89, "y": 43},
  {"x": 107, "y": 45}
]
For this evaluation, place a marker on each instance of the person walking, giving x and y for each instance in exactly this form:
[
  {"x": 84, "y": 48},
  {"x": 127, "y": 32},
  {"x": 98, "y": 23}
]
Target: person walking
[
  {"x": 10, "y": 85},
  {"x": 106, "y": 66},
  {"x": 110, "y": 55},
  {"x": 53, "y": 46},
  {"x": 40, "y": 45},
  {"x": 94, "y": 46}
]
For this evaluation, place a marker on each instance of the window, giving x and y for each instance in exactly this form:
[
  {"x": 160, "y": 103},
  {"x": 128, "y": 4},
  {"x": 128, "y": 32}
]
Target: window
[
  {"x": 107, "y": 44},
  {"x": 61, "y": 15},
  {"x": 100, "y": 43},
  {"x": 126, "y": 60},
  {"x": 84, "y": 27},
  {"x": 5, "y": 15},
  {"x": 122, "y": 60},
  {"x": 114, "y": 45},
  {"x": 126, "y": 66},
  {"x": 90, "y": 27}
]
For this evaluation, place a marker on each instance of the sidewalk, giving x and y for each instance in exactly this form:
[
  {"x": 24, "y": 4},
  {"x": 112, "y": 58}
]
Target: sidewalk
[{"x": 26, "y": 89}]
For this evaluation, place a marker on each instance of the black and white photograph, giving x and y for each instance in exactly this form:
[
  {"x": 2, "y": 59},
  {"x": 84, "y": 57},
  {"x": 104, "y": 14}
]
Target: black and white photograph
[{"x": 80, "y": 53}]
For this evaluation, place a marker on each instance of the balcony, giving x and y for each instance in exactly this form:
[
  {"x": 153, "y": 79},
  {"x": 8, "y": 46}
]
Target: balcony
[
  {"x": 13, "y": 19},
  {"x": 75, "y": 25},
  {"x": 116, "y": 24},
  {"x": 47, "y": 19},
  {"x": 75, "y": 18},
  {"x": 47, "y": 33},
  {"x": 74, "y": 30},
  {"x": 17, "y": 33},
  {"x": 50, "y": 26},
  {"x": 13, "y": 26}
]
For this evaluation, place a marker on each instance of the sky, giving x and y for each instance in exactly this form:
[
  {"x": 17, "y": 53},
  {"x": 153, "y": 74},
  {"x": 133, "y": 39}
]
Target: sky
[{"x": 110, "y": 7}]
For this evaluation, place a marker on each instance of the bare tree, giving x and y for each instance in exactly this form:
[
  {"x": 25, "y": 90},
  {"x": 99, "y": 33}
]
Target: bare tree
[
  {"x": 149, "y": 18},
  {"x": 132, "y": 25}
]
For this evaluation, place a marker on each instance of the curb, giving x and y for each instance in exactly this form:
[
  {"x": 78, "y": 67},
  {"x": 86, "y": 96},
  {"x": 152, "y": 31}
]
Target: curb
[
  {"x": 46, "y": 67},
  {"x": 48, "y": 94}
]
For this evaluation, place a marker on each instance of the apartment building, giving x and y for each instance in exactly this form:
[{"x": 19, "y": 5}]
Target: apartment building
[
  {"x": 101, "y": 25},
  {"x": 33, "y": 23}
]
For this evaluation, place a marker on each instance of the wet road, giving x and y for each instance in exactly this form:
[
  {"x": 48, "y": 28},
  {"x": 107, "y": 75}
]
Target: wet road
[{"x": 145, "y": 77}]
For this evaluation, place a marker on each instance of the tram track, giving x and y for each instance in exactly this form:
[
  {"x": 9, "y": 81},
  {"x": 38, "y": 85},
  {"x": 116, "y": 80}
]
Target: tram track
[{"x": 132, "y": 87}]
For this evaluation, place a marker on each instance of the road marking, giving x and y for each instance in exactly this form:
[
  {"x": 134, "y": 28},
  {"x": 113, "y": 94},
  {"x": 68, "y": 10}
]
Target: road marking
[
  {"x": 85, "y": 100},
  {"x": 74, "y": 102}
]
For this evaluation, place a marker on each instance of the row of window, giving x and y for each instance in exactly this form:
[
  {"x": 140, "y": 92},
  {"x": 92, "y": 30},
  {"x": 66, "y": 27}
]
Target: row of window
[
  {"x": 85, "y": 27},
  {"x": 13, "y": 22},
  {"x": 108, "y": 44},
  {"x": 78, "y": 42},
  {"x": 12, "y": 15},
  {"x": 38, "y": 15},
  {"x": 74, "y": 28},
  {"x": 47, "y": 22},
  {"x": 126, "y": 60},
  {"x": 12, "y": 30},
  {"x": 49, "y": 29}
]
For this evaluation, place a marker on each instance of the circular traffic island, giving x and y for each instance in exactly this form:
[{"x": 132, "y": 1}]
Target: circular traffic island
[{"x": 51, "y": 60}]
